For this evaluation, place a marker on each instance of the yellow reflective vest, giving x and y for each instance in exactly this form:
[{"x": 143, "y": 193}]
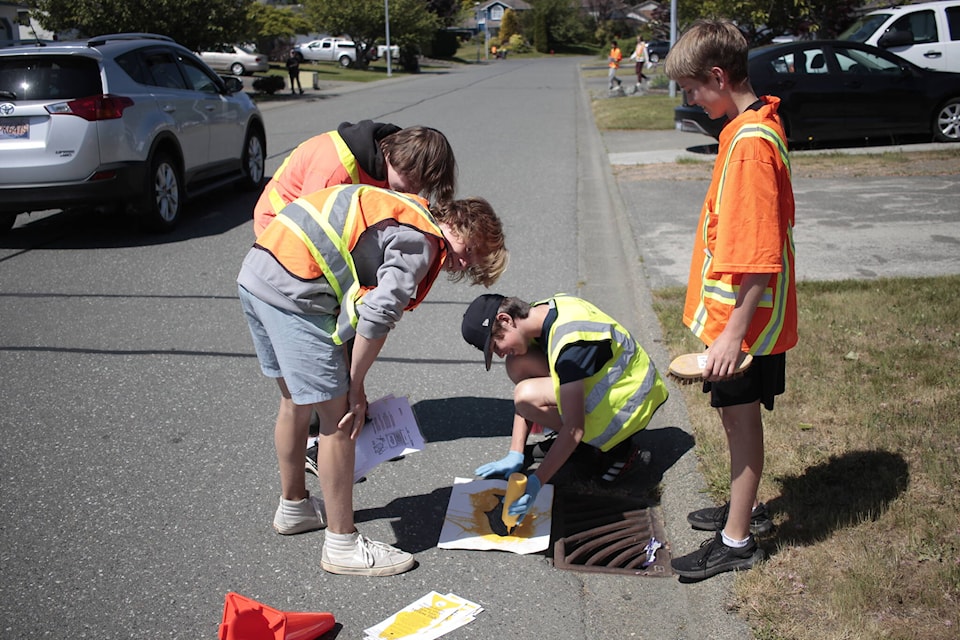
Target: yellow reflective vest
[
  {"x": 313, "y": 236},
  {"x": 620, "y": 398}
]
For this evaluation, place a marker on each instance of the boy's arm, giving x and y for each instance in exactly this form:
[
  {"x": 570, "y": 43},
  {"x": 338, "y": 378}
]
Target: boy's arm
[
  {"x": 570, "y": 434},
  {"x": 726, "y": 351},
  {"x": 365, "y": 351}
]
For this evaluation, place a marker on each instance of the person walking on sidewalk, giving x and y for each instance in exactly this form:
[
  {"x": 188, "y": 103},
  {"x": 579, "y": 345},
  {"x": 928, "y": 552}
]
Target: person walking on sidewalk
[
  {"x": 613, "y": 62},
  {"x": 741, "y": 294},
  {"x": 321, "y": 288},
  {"x": 576, "y": 371},
  {"x": 639, "y": 56},
  {"x": 293, "y": 69}
]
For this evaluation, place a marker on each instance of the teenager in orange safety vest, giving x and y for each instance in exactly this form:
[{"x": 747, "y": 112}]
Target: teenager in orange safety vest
[
  {"x": 411, "y": 160},
  {"x": 321, "y": 289},
  {"x": 613, "y": 61}
]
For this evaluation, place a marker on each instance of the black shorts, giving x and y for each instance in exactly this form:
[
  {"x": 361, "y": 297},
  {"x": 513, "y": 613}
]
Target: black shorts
[{"x": 763, "y": 381}]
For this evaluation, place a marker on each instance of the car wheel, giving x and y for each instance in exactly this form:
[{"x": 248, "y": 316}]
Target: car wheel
[
  {"x": 298, "y": 56},
  {"x": 161, "y": 206},
  {"x": 6, "y": 221},
  {"x": 237, "y": 69},
  {"x": 946, "y": 124},
  {"x": 254, "y": 155},
  {"x": 654, "y": 58},
  {"x": 345, "y": 61}
]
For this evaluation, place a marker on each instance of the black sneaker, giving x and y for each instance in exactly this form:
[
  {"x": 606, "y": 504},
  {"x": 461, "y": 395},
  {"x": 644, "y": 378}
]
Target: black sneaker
[
  {"x": 714, "y": 519},
  {"x": 310, "y": 465},
  {"x": 617, "y": 462},
  {"x": 714, "y": 557}
]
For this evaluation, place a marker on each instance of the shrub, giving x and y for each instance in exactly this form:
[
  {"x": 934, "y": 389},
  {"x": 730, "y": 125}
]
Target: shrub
[{"x": 269, "y": 84}]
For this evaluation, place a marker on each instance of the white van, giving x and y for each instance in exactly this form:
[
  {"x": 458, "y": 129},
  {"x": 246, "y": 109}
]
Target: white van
[{"x": 927, "y": 34}]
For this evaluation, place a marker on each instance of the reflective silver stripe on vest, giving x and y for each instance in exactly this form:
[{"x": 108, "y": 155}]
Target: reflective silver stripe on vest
[
  {"x": 614, "y": 373},
  {"x": 628, "y": 409},
  {"x": 612, "y": 376}
]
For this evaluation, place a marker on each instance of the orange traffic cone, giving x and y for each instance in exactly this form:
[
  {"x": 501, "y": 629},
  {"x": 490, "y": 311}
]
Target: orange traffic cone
[{"x": 246, "y": 619}]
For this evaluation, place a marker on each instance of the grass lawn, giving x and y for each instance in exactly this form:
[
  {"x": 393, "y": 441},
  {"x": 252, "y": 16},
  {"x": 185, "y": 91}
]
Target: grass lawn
[
  {"x": 863, "y": 450},
  {"x": 862, "y": 461}
]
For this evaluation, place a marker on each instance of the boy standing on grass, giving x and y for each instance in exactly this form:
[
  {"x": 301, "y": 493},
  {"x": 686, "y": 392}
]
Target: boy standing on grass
[{"x": 741, "y": 295}]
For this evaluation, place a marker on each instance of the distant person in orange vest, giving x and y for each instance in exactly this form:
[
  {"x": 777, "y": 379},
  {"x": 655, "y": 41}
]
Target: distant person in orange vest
[
  {"x": 415, "y": 160},
  {"x": 321, "y": 289},
  {"x": 613, "y": 61}
]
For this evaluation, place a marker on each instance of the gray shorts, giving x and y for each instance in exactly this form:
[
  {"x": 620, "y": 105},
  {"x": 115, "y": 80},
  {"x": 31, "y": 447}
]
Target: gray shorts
[{"x": 298, "y": 348}]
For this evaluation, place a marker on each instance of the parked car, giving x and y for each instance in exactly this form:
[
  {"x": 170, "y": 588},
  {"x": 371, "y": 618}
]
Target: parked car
[
  {"x": 845, "y": 90},
  {"x": 657, "y": 50},
  {"x": 339, "y": 50},
  {"x": 236, "y": 58},
  {"x": 125, "y": 119},
  {"x": 927, "y": 34}
]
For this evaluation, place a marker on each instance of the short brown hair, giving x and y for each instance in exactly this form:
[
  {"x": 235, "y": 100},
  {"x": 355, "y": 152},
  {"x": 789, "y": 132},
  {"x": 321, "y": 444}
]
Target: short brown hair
[
  {"x": 425, "y": 158},
  {"x": 480, "y": 228},
  {"x": 707, "y": 44}
]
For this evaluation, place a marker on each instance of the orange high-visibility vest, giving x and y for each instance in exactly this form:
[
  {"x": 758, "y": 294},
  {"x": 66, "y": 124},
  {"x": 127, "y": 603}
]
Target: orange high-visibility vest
[
  {"x": 320, "y": 162},
  {"x": 313, "y": 237}
]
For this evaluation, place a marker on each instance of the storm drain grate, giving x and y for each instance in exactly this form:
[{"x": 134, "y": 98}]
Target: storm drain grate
[{"x": 607, "y": 534}]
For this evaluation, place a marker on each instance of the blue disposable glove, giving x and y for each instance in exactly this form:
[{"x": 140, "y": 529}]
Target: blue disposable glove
[
  {"x": 511, "y": 464},
  {"x": 524, "y": 502}
]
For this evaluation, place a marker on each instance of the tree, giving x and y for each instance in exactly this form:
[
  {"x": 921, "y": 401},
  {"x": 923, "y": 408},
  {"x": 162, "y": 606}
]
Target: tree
[
  {"x": 364, "y": 21},
  {"x": 556, "y": 22},
  {"x": 196, "y": 24},
  {"x": 509, "y": 25},
  {"x": 274, "y": 28},
  {"x": 760, "y": 19}
]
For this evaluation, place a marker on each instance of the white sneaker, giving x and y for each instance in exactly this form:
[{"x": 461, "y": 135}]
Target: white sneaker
[
  {"x": 297, "y": 516},
  {"x": 369, "y": 558}
]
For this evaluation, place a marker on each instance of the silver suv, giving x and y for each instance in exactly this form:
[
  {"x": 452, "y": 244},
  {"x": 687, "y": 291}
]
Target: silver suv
[{"x": 134, "y": 120}]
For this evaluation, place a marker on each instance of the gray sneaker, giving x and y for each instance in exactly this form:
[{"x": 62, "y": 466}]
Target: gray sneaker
[
  {"x": 714, "y": 519},
  {"x": 369, "y": 558},
  {"x": 299, "y": 516}
]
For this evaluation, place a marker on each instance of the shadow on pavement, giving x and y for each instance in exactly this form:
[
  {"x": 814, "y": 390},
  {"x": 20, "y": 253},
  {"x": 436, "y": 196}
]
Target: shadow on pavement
[{"x": 464, "y": 417}]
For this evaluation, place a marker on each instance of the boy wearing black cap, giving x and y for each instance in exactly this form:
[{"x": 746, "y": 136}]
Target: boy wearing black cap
[{"x": 577, "y": 371}]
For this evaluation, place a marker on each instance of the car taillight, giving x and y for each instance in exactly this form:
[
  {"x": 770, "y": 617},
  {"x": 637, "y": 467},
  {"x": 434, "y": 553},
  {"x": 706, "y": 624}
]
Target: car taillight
[{"x": 93, "y": 108}]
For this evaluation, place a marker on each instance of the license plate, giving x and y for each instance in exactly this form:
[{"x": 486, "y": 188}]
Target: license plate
[{"x": 14, "y": 128}]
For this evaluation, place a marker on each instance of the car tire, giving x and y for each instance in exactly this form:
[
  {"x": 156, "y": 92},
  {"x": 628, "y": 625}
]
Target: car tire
[
  {"x": 345, "y": 61},
  {"x": 654, "y": 58},
  {"x": 298, "y": 56},
  {"x": 162, "y": 204},
  {"x": 237, "y": 69},
  {"x": 254, "y": 159},
  {"x": 6, "y": 221},
  {"x": 946, "y": 122}
]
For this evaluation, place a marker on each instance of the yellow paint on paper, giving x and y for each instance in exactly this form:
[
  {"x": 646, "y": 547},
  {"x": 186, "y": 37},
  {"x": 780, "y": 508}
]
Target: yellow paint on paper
[
  {"x": 478, "y": 524},
  {"x": 409, "y": 623}
]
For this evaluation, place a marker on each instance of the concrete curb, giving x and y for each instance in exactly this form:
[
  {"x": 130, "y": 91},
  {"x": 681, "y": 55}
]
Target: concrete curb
[{"x": 669, "y": 609}]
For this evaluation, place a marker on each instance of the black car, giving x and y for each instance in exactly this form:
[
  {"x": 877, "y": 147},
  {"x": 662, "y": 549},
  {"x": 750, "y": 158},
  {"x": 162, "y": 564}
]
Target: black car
[
  {"x": 842, "y": 90},
  {"x": 657, "y": 50}
]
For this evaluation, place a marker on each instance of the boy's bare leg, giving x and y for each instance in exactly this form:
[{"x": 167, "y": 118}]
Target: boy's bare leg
[
  {"x": 744, "y": 428},
  {"x": 336, "y": 454},
  {"x": 290, "y": 440}
]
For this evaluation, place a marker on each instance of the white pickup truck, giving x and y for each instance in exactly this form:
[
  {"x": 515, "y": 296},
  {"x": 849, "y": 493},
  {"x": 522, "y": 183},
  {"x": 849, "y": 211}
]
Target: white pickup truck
[{"x": 337, "y": 50}]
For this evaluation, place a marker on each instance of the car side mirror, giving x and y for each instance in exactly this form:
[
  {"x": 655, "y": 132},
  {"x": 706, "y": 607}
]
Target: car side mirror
[
  {"x": 233, "y": 84},
  {"x": 895, "y": 39}
]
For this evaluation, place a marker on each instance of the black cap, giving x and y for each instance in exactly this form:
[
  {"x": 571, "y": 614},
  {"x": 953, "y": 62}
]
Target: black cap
[{"x": 478, "y": 322}]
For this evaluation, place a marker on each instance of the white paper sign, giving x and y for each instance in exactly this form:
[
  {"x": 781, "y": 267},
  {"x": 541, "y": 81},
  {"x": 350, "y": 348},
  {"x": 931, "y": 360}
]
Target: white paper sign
[
  {"x": 392, "y": 431},
  {"x": 474, "y": 512}
]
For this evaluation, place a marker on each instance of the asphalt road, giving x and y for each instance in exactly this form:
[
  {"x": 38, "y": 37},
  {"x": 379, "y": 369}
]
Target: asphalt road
[{"x": 137, "y": 474}]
